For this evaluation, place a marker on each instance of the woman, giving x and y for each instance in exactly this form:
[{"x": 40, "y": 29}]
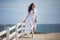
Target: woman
[{"x": 30, "y": 20}]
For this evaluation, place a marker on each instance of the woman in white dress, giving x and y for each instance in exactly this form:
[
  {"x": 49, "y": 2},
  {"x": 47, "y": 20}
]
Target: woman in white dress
[{"x": 30, "y": 20}]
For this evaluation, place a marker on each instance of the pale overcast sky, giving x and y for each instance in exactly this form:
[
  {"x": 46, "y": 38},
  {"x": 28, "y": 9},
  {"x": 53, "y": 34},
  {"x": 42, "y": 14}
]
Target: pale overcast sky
[{"x": 14, "y": 11}]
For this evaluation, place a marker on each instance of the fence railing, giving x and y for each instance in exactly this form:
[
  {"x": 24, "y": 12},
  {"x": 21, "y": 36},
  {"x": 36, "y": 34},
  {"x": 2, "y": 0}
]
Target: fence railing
[{"x": 15, "y": 35}]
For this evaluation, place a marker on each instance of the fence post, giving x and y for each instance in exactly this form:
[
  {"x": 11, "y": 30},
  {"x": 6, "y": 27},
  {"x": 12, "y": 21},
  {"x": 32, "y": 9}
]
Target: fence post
[
  {"x": 7, "y": 34},
  {"x": 22, "y": 30},
  {"x": 16, "y": 31}
]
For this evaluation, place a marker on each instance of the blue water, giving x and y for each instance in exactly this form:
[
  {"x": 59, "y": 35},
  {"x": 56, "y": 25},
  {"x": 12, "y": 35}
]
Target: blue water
[
  {"x": 40, "y": 27},
  {"x": 48, "y": 28}
]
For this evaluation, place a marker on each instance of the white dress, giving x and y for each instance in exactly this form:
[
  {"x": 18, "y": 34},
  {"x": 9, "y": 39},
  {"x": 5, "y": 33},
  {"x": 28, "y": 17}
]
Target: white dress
[{"x": 30, "y": 22}]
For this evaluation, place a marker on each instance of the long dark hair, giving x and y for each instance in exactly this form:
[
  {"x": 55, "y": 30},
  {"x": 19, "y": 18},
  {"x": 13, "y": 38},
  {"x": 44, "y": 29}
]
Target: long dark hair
[{"x": 30, "y": 7}]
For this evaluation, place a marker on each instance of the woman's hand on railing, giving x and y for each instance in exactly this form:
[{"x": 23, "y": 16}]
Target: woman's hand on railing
[{"x": 24, "y": 22}]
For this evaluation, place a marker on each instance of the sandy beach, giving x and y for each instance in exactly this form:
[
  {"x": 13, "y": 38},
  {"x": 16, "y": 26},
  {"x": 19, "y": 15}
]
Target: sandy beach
[{"x": 47, "y": 36}]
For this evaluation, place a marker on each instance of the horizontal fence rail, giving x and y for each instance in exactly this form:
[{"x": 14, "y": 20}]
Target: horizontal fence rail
[{"x": 15, "y": 35}]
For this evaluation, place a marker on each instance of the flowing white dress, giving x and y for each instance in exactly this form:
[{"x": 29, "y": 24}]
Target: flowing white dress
[{"x": 30, "y": 22}]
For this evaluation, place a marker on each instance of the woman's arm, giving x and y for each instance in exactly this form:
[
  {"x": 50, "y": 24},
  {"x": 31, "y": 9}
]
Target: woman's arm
[
  {"x": 35, "y": 18},
  {"x": 26, "y": 17}
]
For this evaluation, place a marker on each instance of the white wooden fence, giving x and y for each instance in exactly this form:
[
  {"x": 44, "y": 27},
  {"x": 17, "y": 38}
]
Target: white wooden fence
[{"x": 15, "y": 34}]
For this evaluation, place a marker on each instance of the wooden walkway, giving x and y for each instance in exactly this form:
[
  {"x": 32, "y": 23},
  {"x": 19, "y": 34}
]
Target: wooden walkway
[{"x": 49, "y": 36}]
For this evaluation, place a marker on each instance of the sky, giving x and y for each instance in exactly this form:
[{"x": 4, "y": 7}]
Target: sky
[{"x": 14, "y": 11}]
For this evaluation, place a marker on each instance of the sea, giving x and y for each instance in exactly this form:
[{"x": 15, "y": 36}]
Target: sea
[{"x": 43, "y": 28}]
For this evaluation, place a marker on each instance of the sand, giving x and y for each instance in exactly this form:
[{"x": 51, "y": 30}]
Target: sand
[{"x": 48, "y": 36}]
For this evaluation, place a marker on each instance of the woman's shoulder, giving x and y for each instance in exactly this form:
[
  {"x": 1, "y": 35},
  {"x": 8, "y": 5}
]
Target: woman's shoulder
[
  {"x": 32, "y": 11},
  {"x": 35, "y": 10}
]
